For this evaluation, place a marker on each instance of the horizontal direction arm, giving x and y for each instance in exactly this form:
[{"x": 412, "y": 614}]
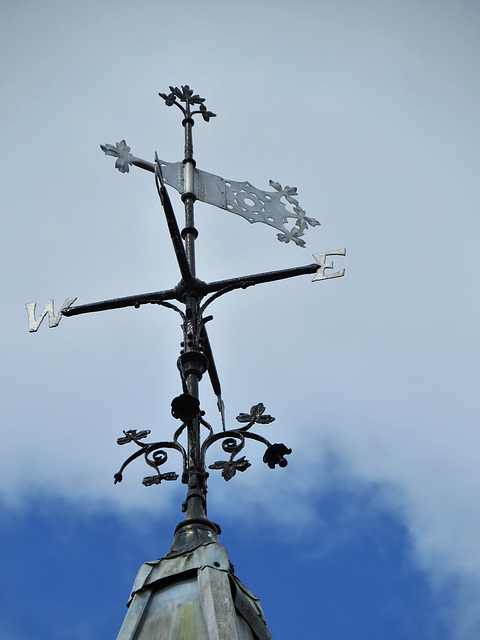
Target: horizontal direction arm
[
  {"x": 119, "y": 303},
  {"x": 257, "y": 278},
  {"x": 172, "y": 294},
  {"x": 143, "y": 164}
]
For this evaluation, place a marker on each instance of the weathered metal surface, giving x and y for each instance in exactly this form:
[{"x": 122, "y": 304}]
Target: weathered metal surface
[
  {"x": 212, "y": 554},
  {"x": 217, "y": 604},
  {"x": 171, "y": 613},
  {"x": 191, "y": 535},
  {"x": 135, "y": 615},
  {"x": 191, "y": 597}
]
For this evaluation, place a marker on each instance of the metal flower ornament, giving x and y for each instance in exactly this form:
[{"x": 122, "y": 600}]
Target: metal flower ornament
[
  {"x": 186, "y": 95},
  {"x": 194, "y": 437}
]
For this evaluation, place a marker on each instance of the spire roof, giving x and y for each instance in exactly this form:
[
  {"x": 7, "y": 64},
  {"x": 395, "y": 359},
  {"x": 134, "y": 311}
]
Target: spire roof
[{"x": 194, "y": 595}]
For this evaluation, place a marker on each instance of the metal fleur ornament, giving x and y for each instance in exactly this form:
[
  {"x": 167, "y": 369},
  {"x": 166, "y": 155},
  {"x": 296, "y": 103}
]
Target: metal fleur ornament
[
  {"x": 121, "y": 151},
  {"x": 132, "y": 436},
  {"x": 185, "y": 94},
  {"x": 302, "y": 221},
  {"x": 230, "y": 467},
  {"x": 255, "y": 416}
]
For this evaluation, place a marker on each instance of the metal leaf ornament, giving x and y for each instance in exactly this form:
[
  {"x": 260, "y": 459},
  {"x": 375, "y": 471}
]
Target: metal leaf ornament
[
  {"x": 178, "y": 93},
  {"x": 132, "y": 435},
  {"x": 169, "y": 100},
  {"x": 171, "y": 476},
  {"x": 256, "y": 416},
  {"x": 186, "y": 95},
  {"x": 302, "y": 221},
  {"x": 230, "y": 467},
  {"x": 206, "y": 115}
]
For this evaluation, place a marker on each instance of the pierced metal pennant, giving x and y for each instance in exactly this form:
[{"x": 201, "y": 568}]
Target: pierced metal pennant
[{"x": 241, "y": 198}]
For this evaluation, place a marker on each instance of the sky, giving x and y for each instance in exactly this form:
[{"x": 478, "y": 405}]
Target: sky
[{"x": 370, "y": 109}]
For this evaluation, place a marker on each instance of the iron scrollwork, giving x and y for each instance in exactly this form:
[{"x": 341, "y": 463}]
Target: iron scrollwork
[
  {"x": 233, "y": 442},
  {"x": 154, "y": 454}
]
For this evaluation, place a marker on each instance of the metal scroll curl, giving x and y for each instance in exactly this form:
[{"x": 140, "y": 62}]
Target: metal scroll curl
[
  {"x": 232, "y": 441},
  {"x": 154, "y": 454}
]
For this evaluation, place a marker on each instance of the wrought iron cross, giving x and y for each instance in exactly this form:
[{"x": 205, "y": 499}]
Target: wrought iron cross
[{"x": 196, "y": 357}]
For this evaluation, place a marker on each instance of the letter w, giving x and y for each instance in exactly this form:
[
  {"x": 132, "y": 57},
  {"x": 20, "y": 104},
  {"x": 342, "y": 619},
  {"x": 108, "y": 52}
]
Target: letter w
[{"x": 53, "y": 319}]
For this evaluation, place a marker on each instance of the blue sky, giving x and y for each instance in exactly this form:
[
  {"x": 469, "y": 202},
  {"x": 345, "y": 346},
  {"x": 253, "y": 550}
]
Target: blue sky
[
  {"x": 371, "y": 110},
  {"x": 75, "y": 569}
]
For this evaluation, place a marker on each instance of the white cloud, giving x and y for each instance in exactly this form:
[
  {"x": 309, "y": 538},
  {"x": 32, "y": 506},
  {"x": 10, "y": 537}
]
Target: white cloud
[{"x": 371, "y": 112}]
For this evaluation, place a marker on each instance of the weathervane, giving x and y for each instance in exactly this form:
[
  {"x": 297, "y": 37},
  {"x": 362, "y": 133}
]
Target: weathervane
[{"x": 274, "y": 208}]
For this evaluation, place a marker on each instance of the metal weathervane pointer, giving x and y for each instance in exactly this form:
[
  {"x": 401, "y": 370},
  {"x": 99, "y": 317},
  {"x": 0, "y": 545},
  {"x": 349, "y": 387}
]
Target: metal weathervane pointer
[
  {"x": 241, "y": 198},
  {"x": 274, "y": 208}
]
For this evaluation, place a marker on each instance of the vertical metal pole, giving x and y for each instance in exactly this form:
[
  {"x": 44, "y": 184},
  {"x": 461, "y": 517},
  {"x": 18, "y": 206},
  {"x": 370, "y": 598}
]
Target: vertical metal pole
[
  {"x": 189, "y": 233},
  {"x": 195, "y": 501}
]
